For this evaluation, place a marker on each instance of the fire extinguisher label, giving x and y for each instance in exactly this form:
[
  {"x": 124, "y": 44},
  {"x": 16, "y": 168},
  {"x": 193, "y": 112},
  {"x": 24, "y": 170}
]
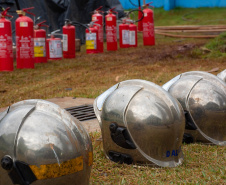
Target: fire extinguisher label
[
  {"x": 101, "y": 34},
  {"x": 145, "y": 14},
  {"x": 23, "y": 24},
  {"x": 91, "y": 41},
  {"x": 55, "y": 49},
  {"x": 6, "y": 49},
  {"x": 25, "y": 47},
  {"x": 1, "y": 25},
  {"x": 148, "y": 29},
  {"x": 65, "y": 42},
  {"x": 3, "y": 47},
  {"x": 132, "y": 38},
  {"x": 39, "y": 47},
  {"x": 125, "y": 36},
  {"x": 109, "y": 18},
  {"x": 111, "y": 33},
  {"x": 94, "y": 18}
]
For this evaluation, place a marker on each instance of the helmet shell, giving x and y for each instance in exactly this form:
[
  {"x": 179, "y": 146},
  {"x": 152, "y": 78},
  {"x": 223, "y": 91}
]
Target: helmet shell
[
  {"x": 49, "y": 140},
  {"x": 203, "y": 96},
  {"x": 222, "y": 75},
  {"x": 152, "y": 118}
]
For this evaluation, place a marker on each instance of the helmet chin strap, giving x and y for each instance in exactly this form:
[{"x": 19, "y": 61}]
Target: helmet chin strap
[{"x": 19, "y": 172}]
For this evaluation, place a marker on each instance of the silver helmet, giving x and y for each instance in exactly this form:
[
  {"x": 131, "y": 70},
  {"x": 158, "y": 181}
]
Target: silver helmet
[
  {"x": 42, "y": 144},
  {"x": 203, "y": 98},
  {"x": 141, "y": 123},
  {"x": 222, "y": 75}
]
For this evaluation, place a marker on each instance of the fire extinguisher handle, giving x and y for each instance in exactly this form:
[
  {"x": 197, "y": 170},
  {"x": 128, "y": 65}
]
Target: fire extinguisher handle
[
  {"x": 25, "y": 10},
  {"x": 115, "y": 12},
  {"x": 100, "y": 11},
  {"x": 42, "y": 25},
  {"x": 68, "y": 21},
  {"x": 148, "y": 4},
  {"x": 112, "y": 9},
  {"x": 5, "y": 11},
  {"x": 54, "y": 32},
  {"x": 99, "y": 8}
]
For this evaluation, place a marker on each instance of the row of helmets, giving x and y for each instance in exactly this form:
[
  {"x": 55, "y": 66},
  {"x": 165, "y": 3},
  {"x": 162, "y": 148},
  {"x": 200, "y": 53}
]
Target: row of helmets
[
  {"x": 141, "y": 123},
  {"x": 144, "y": 123}
]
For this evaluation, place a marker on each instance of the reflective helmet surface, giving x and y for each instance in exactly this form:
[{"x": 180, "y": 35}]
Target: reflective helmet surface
[
  {"x": 42, "y": 144},
  {"x": 222, "y": 75},
  {"x": 141, "y": 123},
  {"x": 203, "y": 98}
]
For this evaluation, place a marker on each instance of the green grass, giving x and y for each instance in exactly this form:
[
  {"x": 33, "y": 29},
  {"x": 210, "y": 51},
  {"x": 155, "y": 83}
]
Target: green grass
[
  {"x": 189, "y": 16},
  {"x": 217, "y": 46},
  {"x": 203, "y": 164}
]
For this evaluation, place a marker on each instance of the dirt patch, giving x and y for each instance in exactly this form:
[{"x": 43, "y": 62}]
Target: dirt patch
[{"x": 164, "y": 52}]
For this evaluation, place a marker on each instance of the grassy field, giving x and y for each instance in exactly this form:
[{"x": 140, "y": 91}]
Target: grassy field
[
  {"x": 203, "y": 164},
  {"x": 189, "y": 16},
  {"x": 90, "y": 75}
]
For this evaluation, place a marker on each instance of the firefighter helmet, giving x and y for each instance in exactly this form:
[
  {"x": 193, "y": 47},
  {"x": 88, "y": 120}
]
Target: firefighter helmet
[
  {"x": 203, "y": 98},
  {"x": 141, "y": 123},
  {"x": 40, "y": 143}
]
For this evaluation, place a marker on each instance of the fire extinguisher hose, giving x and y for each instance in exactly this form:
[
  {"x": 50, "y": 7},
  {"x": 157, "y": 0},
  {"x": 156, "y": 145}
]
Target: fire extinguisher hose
[
  {"x": 78, "y": 23},
  {"x": 17, "y": 4},
  {"x": 134, "y": 10}
]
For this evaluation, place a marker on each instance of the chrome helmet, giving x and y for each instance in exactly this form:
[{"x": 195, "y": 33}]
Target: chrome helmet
[
  {"x": 141, "y": 123},
  {"x": 42, "y": 144},
  {"x": 222, "y": 75},
  {"x": 203, "y": 98}
]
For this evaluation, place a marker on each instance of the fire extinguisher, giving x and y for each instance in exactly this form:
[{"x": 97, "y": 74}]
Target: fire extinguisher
[
  {"x": 68, "y": 40},
  {"x": 24, "y": 39},
  {"x": 148, "y": 26},
  {"x": 124, "y": 34},
  {"x": 98, "y": 19},
  {"x": 92, "y": 45},
  {"x": 6, "y": 47},
  {"x": 54, "y": 47},
  {"x": 132, "y": 34},
  {"x": 40, "y": 43},
  {"x": 133, "y": 28},
  {"x": 111, "y": 30}
]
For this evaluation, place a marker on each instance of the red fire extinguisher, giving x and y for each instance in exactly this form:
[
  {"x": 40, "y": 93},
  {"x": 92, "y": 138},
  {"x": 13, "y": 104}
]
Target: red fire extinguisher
[
  {"x": 111, "y": 30},
  {"x": 54, "y": 47},
  {"x": 6, "y": 47},
  {"x": 148, "y": 26},
  {"x": 92, "y": 45},
  {"x": 68, "y": 40},
  {"x": 24, "y": 39},
  {"x": 132, "y": 34},
  {"x": 124, "y": 34},
  {"x": 98, "y": 19},
  {"x": 40, "y": 43}
]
